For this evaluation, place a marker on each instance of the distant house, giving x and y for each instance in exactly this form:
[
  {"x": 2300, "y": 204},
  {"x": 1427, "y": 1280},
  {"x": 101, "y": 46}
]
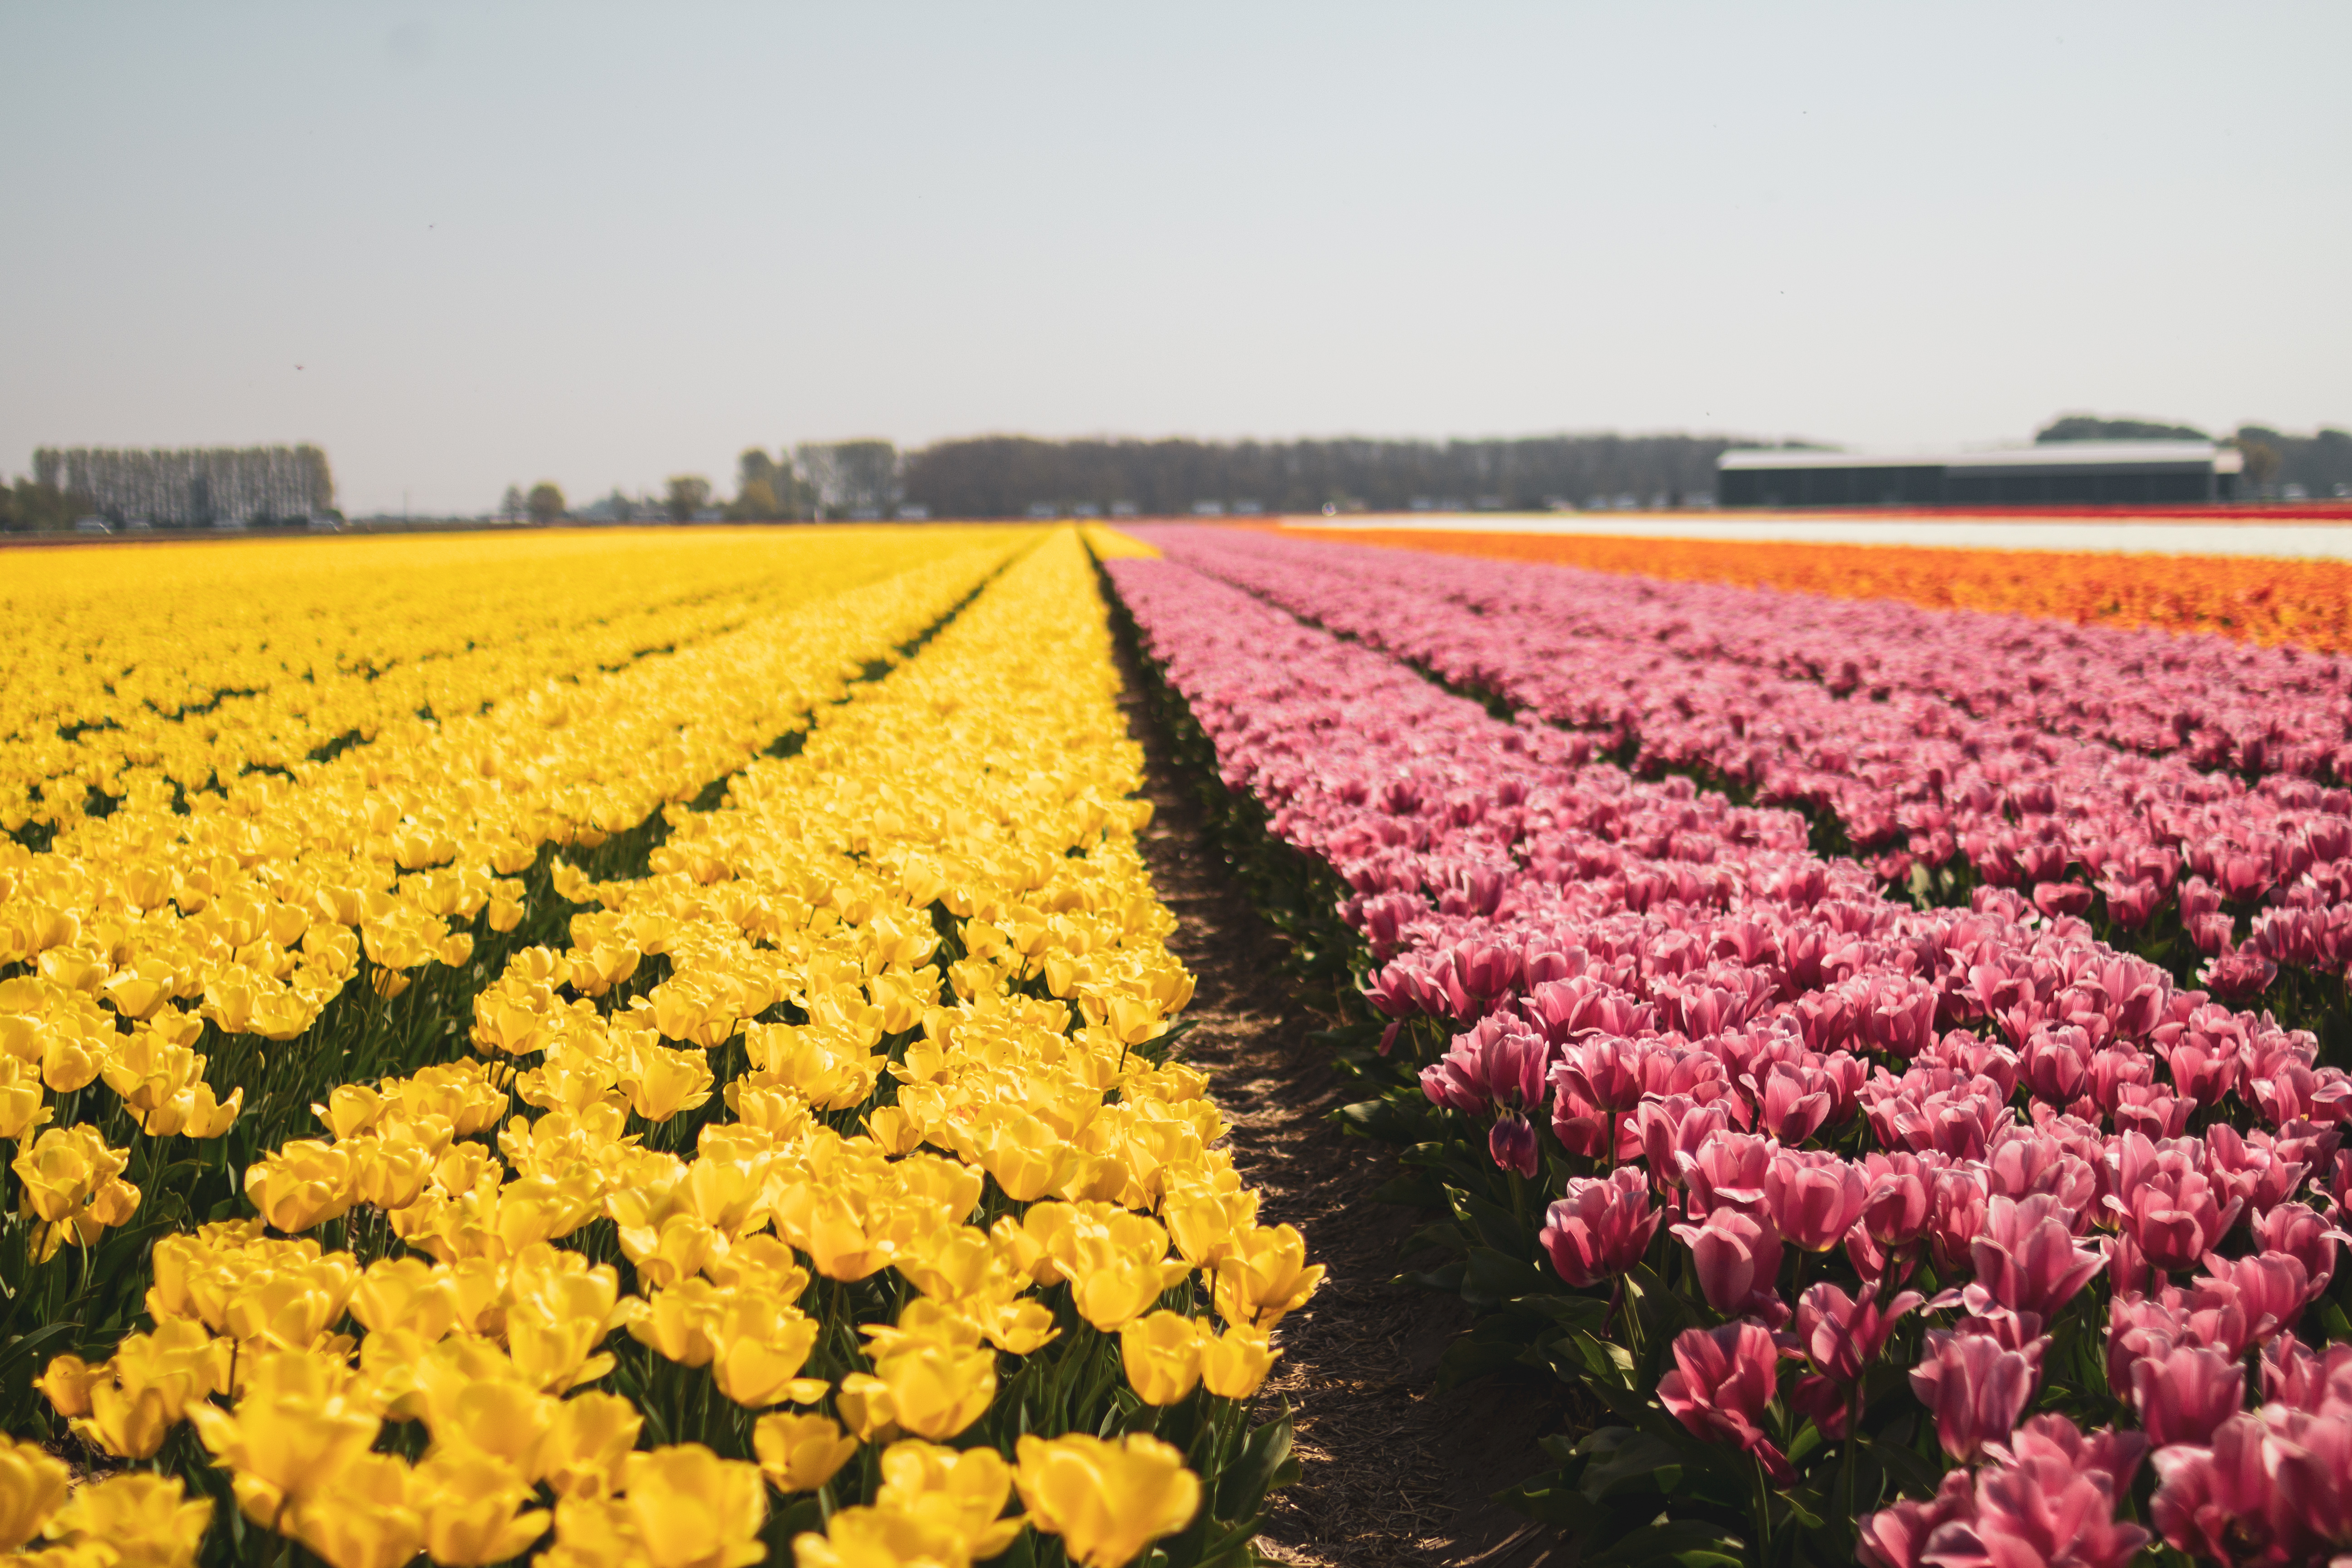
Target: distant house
[
  {"x": 2056, "y": 473},
  {"x": 1208, "y": 509}
]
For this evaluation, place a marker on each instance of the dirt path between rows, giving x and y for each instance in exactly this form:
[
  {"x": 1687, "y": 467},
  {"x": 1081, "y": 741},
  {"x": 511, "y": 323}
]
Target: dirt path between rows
[{"x": 1391, "y": 1472}]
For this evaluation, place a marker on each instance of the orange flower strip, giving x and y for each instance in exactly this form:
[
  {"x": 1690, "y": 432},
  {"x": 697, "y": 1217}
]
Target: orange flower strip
[{"x": 2261, "y": 599}]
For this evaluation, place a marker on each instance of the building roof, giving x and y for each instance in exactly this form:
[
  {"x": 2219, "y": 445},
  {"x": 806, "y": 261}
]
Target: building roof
[{"x": 2046, "y": 455}]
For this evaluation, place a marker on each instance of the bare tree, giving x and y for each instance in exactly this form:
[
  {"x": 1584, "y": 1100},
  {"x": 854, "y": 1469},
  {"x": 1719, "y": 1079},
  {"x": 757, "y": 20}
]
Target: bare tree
[{"x": 852, "y": 479}]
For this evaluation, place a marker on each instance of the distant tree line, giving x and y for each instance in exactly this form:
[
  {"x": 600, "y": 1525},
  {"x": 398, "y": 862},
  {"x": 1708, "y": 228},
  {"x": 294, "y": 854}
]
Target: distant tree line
[
  {"x": 192, "y": 487},
  {"x": 1008, "y": 476},
  {"x": 2318, "y": 464}
]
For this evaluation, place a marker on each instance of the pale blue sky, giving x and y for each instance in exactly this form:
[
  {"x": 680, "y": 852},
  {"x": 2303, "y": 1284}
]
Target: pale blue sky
[{"x": 601, "y": 245}]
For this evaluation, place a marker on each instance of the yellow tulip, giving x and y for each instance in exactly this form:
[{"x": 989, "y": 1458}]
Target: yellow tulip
[
  {"x": 473, "y": 1510},
  {"x": 144, "y": 1521},
  {"x": 693, "y": 1510},
  {"x": 678, "y": 1322},
  {"x": 499, "y": 1419},
  {"x": 66, "y": 1382},
  {"x": 937, "y": 1390},
  {"x": 21, "y": 1091},
  {"x": 304, "y": 1182},
  {"x": 666, "y": 1082},
  {"x": 1236, "y": 1365},
  {"x": 297, "y": 1428},
  {"x": 1161, "y": 1353},
  {"x": 585, "y": 1444},
  {"x": 364, "y": 1518},
  {"x": 32, "y": 1489},
  {"x": 65, "y": 1169},
  {"x": 762, "y": 1345},
  {"x": 866, "y": 1537},
  {"x": 406, "y": 1293},
  {"x": 1106, "y": 1500},
  {"x": 956, "y": 1493},
  {"x": 800, "y": 1453},
  {"x": 1267, "y": 1276}
]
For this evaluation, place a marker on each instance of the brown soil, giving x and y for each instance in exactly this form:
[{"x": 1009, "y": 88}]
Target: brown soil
[{"x": 1392, "y": 1472}]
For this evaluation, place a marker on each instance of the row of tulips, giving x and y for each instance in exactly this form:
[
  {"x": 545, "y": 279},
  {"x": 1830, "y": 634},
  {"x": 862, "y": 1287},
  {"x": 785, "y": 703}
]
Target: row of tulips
[
  {"x": 272, "y": 654},
  {"x": 2266, "y": 600},
  {"x": 2223, "y": 883},
  {"x": 2213, "y": 702},
  {"x": 1930, "y": 1236},
  {"x": 206, "y": 975},
  {"x": 839, "y": 1159}
]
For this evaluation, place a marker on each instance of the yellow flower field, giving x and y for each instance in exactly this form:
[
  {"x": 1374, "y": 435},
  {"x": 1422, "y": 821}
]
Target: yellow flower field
[{"x": 611, "y": 1049}]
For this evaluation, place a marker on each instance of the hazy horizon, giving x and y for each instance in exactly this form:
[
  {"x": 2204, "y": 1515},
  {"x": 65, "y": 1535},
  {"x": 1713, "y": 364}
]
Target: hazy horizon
[{"x": 464, "y": 247}]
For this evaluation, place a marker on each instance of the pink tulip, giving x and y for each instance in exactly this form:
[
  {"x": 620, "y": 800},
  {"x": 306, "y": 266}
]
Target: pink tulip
[
  {"x": 1738, "y": 1259},
  {"x": 1582, "y": 1128},
  {"x": 1975, "y": 1389},
  {"x": 2309, "y": 1458},
  {"x": 1843, "y": 1335},
  {"x": 2267, "y": 1289},
  {"x": 2142, "y": 1326},
  {"x": 1795, "y": 1102},
  {"x": 2055, "y": 1439},
  {"x": 2026, "y": 1259},
  {"x": 1604, "y": 1070},
  {"x": 2295, "y": 1230},
  {"x": 1669, "y": 1125},
  {"x": 2037, "y": 1512},
  {"x": 2175, "y": 1217},
  {"x": 1897, "y": 1211},
  {"x": 1727, "y": 1172},
  {"x": 1500, "y": 1061},
  {"x": 1722, "y": 1380},
  {"x": 1897, "y": 1536},
  {"x": 1958, "y": 1216},
  {"x": 1813, "y": 1196},
  {"x": 2184, "y": 1396},
  {"x": 2216, "y": 1502},
  {"x": 1602, "y": 1228},
  {"x": 2298, "y": 1377}
]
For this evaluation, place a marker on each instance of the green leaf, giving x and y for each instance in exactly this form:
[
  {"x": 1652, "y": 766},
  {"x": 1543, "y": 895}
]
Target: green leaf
[
  {"x": 1473, "y": 1357},
  {"x": 1378, "y": 1119},
  {"x": 1264, "y": 1463},
  {"x": 1411, "y": 1190},
  {"x": 1495, "y": 1277},
  {"x": 1622, "y": 1460},
  {"x": 1692, "y": 1542}
]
